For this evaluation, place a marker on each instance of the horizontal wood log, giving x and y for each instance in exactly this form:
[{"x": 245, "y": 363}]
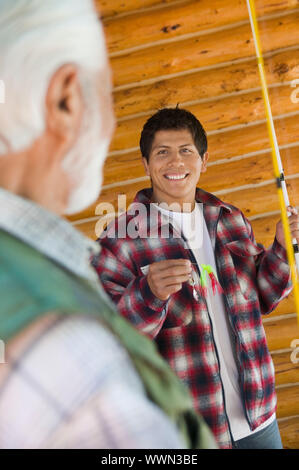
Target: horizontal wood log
[
  {"x": 251, "y": 139},
  {"x": 253, "y": 170},
  {"x": 258, "y": 200},
  {"x": 280, "y": 333},
  {"x": 280, "y": 67},
  {"x": 289, "y": 431},
  {"x": 286, "y": 371},
  {"x": 287, "y": 402},
  {"x": 217, "y": 114},
  {"x": 203, "y": 51},
  {"x": 142, "y": 28},
  {"x": 107, "y": 8}
]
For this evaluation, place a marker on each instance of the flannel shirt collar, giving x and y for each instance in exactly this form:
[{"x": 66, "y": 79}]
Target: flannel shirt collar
[
  {"x": 153, "y": 220},
  {"x": 145, "y": 195},
  {"x": 47, "y": 233}
]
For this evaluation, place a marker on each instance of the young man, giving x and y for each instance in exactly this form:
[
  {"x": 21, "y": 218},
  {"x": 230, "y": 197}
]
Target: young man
[
  {"x": 200, "y": 291},
  {"x": 76, "y": 375}
]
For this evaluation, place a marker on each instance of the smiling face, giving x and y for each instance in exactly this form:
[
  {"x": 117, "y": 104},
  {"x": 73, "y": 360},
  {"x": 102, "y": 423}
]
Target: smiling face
[{"x": 174, "y": 167}]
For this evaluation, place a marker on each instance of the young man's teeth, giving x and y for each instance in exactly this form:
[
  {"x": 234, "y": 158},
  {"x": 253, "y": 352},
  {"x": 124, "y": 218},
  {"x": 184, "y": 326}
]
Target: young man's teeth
[{"x": 177, "y": 177}]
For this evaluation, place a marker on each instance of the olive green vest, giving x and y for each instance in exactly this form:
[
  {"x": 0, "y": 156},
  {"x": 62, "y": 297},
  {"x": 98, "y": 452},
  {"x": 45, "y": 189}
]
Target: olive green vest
[{"x": 32, "y": 285}]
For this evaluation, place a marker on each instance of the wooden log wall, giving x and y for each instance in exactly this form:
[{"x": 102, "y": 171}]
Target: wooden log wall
[{"x": 201, "y": 54}]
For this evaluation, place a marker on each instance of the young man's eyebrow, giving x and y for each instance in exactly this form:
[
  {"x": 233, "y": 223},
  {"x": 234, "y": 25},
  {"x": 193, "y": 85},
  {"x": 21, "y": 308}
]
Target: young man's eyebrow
[
  {"x": 168, "y": 146},
  {"x": 161, "y": 146}
]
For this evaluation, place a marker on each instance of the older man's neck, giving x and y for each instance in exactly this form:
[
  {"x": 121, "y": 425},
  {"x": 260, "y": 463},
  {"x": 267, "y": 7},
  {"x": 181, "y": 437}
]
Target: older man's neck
[{"x": 37, "y": 175}]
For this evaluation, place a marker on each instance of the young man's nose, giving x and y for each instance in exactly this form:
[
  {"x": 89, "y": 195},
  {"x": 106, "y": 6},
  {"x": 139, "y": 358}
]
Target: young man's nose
[{"x": 176, "y": 157}]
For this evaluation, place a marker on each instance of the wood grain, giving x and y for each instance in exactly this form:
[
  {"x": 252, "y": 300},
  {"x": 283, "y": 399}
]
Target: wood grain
[
  {"x": 142, "y": 28},
  {"x": 280, "y": 67},
  {"x": 203, "y": 51},
  {"x": 108, "y": 8}
]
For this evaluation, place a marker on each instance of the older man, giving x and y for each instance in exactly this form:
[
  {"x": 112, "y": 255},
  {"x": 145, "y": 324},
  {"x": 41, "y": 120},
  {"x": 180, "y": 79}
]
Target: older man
[{"x": 76, "y": 373}]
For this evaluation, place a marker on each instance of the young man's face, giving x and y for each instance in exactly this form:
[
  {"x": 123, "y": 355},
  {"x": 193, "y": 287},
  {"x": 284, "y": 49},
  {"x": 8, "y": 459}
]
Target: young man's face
[{"x": 174, "y": 167}]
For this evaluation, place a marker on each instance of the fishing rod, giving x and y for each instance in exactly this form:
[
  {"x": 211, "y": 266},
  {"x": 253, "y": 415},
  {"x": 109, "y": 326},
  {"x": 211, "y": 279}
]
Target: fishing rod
[{"x": 291, "y": 246}]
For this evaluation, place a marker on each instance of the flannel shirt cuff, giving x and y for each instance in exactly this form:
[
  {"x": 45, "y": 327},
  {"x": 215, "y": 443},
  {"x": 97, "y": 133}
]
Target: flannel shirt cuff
[
  {"x": 150, "y": 300},
  {"x": 279, "y": 251}
]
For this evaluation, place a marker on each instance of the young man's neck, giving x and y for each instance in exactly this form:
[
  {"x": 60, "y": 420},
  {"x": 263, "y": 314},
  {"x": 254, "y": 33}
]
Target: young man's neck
[{"x": 174, "y": 205}]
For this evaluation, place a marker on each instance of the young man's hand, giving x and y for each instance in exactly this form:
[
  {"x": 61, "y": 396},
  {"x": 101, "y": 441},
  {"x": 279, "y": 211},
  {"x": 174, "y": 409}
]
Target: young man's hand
[
  {"x": 166, "y": 277},
  {"x": 294, "y": 226}
]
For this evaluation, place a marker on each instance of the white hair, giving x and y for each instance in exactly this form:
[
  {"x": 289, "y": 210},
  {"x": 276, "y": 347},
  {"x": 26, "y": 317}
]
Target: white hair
[{"x": 36, "y": 38}]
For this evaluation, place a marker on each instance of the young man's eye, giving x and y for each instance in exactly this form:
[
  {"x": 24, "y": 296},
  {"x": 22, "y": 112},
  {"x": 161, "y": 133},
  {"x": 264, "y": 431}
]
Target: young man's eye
[
  {"x": 186, "y": 150},
  {"x": 162, "y": 152}
]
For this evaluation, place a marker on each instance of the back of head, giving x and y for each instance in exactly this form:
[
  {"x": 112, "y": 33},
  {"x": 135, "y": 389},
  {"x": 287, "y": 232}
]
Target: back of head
[
  {"x": 36, "y": 39},
  {"x": 172, "y": 119}
]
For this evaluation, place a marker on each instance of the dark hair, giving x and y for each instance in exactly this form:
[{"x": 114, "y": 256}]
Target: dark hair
[{"x": 172, "y": 119}]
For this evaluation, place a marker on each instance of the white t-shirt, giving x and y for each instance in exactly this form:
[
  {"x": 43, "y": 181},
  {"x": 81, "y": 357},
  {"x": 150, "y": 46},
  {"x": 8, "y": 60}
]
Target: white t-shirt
[{"x": 193, "y": 226}]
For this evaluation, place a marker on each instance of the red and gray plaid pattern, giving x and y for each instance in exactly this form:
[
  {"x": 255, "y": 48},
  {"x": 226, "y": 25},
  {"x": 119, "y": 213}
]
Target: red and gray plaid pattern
[{"x": 253, "y": 279}]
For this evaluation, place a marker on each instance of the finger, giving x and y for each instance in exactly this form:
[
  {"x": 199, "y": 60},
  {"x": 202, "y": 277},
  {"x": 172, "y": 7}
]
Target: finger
[
  {"x": 174, "y": 288},
  {"x": 293, "y": 218},
  {"x": 172, "y": 280},
  {"x": 170, "y": 270},
  {"x": 167, "y": 263},
  {"x": 292, "y": 210},
  {"x": 165, "y": 276}
]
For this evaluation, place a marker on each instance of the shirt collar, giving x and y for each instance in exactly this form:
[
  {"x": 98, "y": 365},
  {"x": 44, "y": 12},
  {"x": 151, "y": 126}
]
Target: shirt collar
[
  {"x": 144, "y": 196},
  {"x": 47, "y": 233}
]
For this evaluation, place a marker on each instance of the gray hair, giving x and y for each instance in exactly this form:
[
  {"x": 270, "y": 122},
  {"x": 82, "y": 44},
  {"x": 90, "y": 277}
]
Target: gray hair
[{"x": 36, "y": 38}]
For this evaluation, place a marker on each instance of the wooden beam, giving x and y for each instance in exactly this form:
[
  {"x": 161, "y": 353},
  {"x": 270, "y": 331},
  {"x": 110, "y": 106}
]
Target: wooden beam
[
  {"x": 251, "y": 139},
  {"x": 262, "y": 199},
  {"x": 280, "y": 67},
  {"x": 143, "y": 27},
  {"x": 203, "y": 51}
]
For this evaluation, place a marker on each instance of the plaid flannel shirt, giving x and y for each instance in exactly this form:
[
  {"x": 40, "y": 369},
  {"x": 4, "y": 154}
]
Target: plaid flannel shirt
[{"x": 253, "y": 279}]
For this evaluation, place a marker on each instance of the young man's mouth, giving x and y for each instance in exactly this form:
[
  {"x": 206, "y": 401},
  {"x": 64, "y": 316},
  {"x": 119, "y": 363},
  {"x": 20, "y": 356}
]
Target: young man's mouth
[{"x": 176, "y": 177}]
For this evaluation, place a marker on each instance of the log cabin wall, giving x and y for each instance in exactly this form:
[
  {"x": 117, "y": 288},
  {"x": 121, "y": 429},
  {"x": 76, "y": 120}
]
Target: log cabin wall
[{"x": 201, "y": 54}]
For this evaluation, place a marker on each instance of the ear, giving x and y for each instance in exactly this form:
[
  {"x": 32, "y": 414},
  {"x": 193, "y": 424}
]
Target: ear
[
  {"x": 204, "y": 162},
  {"x": 146, "y": 166},
  {"x": 64, "y": 103}
]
